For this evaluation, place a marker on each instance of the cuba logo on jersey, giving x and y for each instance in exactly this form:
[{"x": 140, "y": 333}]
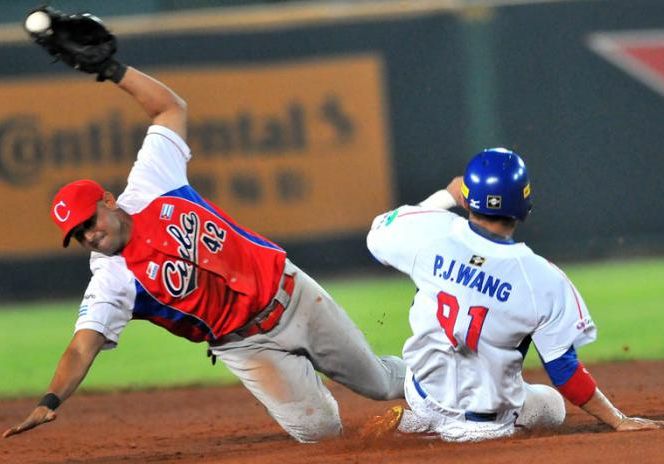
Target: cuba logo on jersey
[
  {"x": 180, "y": 277},
  {"x": 186, "y": 235}
]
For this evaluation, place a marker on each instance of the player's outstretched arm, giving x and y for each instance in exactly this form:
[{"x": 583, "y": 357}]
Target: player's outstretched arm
[
  {"x": 72, "y": 368},
  {"x": 600, "y": 407},
  {"x": 578, "y": 386},
  {"x": 85, "y": 43},
  {"x": 162, "y": 105}
]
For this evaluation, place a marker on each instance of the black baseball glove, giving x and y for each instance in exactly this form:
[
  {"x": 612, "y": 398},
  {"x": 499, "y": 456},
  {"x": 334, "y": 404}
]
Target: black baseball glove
[{"x": 80, "y": 40}]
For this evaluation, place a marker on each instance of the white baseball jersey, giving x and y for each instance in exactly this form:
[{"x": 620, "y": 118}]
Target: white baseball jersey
[
  {"x": 479, "y": 302},
  {"x": 109, "y": 300}
]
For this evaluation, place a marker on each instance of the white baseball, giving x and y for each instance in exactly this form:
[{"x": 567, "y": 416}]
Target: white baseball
[{"x": 38, "y": 22}]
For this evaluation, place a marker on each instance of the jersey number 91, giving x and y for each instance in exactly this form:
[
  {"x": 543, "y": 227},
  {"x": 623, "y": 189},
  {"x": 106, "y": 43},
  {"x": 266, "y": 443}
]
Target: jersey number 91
[{"x": 447, "y": 320}]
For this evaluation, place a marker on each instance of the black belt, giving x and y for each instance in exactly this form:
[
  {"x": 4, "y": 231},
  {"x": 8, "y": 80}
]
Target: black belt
[{"x": 469, "y": 415}]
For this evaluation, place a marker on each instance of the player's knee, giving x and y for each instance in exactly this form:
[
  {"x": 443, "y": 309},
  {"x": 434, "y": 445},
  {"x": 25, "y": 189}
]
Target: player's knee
[
  {"x": 315, "y": 426},
  {"x": 391, "y": 382},
  {"x": 543, "y": 407},
  {"x": 320, "y": 432},
  {"x": 383, "y": 392},
  {"x": 309, "y": 422}
]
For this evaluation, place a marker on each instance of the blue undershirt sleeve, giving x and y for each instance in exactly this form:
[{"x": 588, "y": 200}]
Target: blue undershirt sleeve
[{"x": 561, "y": 369}]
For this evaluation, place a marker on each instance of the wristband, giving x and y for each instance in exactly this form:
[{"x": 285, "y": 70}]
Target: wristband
[
  {"x": 50, "y": 400},
  {"x": 442, "y": 199},
  {"x": 580, "y": 387},
  {"x": 113, "y": 70}
]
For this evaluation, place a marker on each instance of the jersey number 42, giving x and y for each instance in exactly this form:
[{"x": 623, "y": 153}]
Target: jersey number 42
[{"x": 448, "y": 311}]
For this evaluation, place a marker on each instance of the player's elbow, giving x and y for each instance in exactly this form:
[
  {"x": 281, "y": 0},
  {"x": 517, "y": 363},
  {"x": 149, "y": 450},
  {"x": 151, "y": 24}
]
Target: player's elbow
[
  {"x": 178, "y": 106},
  {"x": 373, "y": 242},
  {"x": 180, "y": 109},
  {"x": 174, "y": 117},
  {"x": 374, "y": 247},
  {"x": 180, "y": 103},
  {"x": 171, "y": 105},
  {"x": 571, "y": 378}
]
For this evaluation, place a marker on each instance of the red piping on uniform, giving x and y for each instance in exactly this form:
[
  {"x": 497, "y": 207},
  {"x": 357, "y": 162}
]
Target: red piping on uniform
[
  {"x": 170, "y": 140},
  {"x": 576, "y": 298},
  {"x": 421, "y": 212}
]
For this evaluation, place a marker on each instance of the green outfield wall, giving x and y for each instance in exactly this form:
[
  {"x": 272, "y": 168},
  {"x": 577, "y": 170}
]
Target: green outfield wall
[{"x": 308, "y": 121}]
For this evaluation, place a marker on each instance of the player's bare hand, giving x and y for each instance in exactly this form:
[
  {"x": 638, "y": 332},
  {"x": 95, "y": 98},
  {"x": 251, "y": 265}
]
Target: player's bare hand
[
  {"x": 39, "y": 416},
  {"x": 454, "y": 187},
  {"x": 637, "y": 423}
]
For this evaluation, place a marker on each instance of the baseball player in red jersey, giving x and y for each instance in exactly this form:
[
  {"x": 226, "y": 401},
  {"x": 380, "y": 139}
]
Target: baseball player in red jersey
[{"x": 161, "y": 252}]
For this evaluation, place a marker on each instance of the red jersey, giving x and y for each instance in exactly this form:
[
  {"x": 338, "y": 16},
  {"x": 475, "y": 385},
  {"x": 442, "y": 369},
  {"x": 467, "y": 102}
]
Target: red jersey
[{"x": 198, "y": 273}]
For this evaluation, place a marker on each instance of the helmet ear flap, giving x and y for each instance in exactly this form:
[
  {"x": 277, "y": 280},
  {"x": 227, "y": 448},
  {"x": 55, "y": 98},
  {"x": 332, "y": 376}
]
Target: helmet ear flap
[{"x": 464, "y": 190}]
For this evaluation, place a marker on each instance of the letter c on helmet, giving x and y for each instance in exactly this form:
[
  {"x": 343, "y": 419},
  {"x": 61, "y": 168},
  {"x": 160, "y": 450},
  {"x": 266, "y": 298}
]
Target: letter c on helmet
[{"x": 57, "y": 215}]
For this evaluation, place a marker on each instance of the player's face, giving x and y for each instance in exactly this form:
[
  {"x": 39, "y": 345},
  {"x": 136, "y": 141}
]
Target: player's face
[{"x": 106, "y": 232}]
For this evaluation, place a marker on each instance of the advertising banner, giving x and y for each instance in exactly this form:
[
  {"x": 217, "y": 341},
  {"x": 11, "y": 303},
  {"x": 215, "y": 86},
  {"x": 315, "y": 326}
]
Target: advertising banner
[{"x": 294, "y": 149}]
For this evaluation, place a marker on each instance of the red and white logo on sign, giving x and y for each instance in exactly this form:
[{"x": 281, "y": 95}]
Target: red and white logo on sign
[
  {"x": 57, "y": 211},
  {"x": 639, "y": 53}
]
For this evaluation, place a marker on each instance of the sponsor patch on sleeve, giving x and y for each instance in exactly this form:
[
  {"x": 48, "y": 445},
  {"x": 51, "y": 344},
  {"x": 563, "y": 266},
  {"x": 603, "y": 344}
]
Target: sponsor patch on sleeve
[{"x": 391, "y": 217}]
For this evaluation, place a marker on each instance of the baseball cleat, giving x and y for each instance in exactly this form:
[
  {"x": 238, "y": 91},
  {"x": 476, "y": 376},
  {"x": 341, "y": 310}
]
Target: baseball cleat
[{"x": 381, "y": 426}]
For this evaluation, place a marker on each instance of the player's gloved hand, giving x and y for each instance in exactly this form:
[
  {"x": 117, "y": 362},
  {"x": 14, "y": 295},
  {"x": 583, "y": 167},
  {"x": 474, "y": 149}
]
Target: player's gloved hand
[
  {"x": 80, "y": 40},
  {"x": 637, "y": 423},
  {"x": 40, "y": 415}
]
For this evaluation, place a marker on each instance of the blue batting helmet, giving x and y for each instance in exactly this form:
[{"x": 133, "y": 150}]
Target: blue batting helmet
[{"x": 496, "y": 184}]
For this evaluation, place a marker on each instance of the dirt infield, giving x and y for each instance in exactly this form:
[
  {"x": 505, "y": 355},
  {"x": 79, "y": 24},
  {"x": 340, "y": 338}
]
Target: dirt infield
[{"x": 210, "y": 425}]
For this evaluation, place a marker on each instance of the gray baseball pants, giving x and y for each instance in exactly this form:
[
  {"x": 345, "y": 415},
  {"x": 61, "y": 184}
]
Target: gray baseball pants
[{"x": 314, "y": 334}]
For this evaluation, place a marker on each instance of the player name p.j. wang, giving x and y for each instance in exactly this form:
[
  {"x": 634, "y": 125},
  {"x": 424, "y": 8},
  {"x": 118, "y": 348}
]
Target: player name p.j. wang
[{"x": 472, "y": 277}]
